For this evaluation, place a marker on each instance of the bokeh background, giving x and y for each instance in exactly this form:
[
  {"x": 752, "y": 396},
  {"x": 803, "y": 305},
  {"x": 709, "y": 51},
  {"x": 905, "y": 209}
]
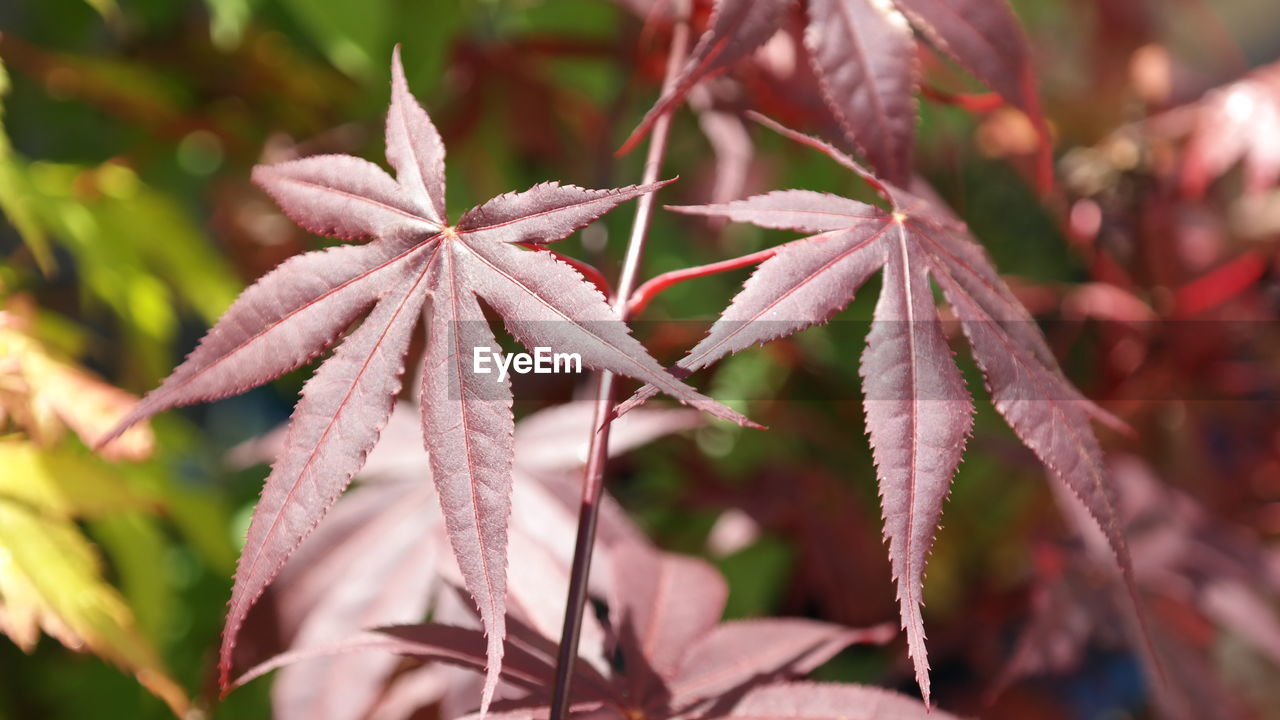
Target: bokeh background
[{"x": 129, "y": 131}]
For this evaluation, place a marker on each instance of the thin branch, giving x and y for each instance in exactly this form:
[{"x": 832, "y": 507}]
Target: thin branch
[
  {"x": 654, "y": 287},
  {"x": 593, "y": 478},
  {"x": 970, "y": 102}
]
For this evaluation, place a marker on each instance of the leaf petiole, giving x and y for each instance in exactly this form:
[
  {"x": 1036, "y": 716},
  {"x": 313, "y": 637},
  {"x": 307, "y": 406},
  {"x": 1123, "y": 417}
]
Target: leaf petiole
[{"x": 655, "y": 286}]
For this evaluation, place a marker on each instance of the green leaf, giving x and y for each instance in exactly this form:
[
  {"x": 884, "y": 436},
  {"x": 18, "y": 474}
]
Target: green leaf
[
  {"x": 50, "y": 579},
  {"x": 137, "y": 547},
  {"x": 63, "y": 482},
  {"x": 125, "y": 236},
  {"x": 108, "y": 9}
]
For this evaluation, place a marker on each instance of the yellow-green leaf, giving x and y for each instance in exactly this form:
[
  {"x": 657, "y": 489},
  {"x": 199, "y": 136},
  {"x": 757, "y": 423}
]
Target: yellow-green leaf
[
  {"x": 50, "y": 578},
  {"x": 42, "y": 393},
  {"x": 64, "y": 482}
]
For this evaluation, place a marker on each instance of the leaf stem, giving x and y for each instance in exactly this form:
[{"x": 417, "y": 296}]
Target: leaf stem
[
  {"x": 593, "y": 477},
  {"x": 969, "y": 102},
  {"x": 655, "y": 286}
]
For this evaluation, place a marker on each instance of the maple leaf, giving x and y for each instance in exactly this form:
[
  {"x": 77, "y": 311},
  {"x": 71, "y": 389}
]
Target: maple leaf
[
  {"x": 864, "y": 55},
  {"x": 53, "y": 580},
  {"x": 42, "y": 394},
  {"x": 298, "y": 310},
  {"x": 676, "y": 659},
  {"x": 918, "y": 412}
]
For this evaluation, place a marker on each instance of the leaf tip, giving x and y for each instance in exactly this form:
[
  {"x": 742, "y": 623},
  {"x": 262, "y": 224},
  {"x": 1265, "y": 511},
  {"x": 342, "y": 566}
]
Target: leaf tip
[
  {"x": 120, "y": 428},
  {"x": 633, "y": 139},
  {"x": 398, "y": 82},
  {"x": 492, "y": 675}
]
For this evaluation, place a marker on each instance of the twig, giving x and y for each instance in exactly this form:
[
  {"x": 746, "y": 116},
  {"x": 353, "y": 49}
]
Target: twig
[
  {"x": 655, "y": 286},
  {"x": 593, "y": 478}
]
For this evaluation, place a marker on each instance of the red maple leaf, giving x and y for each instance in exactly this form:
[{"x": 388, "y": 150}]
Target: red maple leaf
[
  {"x": 918, "y": 412},
  {"x": 298, "y": 310},
  {"x": 864, "y": 55}
]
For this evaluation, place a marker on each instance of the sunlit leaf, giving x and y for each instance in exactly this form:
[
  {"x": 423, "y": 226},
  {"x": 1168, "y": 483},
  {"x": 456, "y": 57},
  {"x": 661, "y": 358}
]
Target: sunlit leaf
[
  {"x": 64, "y": 482},
  {"x": 42, "y": 394},
  {"x": 125, "y": 236},
  {"x": 50, "y": 579}
]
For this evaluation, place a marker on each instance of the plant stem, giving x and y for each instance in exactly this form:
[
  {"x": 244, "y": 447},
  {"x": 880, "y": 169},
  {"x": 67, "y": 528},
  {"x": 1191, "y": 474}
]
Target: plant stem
[
  {"x": 654, "y": 287},
  {"x": 593, "y": 477}
]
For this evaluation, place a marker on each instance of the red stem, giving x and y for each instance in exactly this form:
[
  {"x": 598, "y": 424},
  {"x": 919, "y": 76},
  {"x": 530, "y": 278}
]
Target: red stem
[
  {"x": 593, "y": 477},
  {"x": 1219, "y": 285},
  {"x": 651, "y": 289},
  {"x": 826, "y": 149},
  {"x": 594, "y": 276},
  {"x": 971, "y": 102}
]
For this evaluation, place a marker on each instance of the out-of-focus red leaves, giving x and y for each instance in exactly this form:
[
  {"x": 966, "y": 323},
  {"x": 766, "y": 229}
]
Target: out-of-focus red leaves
[
  {"x": 1238, "y": 122},
  {"x": 1219, "y": 285}
]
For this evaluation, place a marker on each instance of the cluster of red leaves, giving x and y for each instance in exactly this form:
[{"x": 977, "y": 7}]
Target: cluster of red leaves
[
  {"x": 918, "y": 411},
  {"x": 298, "y": 310},
  {"x": 1193, "y": 571},
  {"x": 662, "y": 653},
  {"x": 865, "y": 63},
  {"x": 1181, "y": 250},
  {"x": 381, "y": 558},
  {"x": 917, "y": 408}
]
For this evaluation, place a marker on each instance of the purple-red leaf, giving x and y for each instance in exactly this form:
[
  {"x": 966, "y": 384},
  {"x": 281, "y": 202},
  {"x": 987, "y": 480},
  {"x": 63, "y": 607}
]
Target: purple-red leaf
[
  {"x": 665, "y": 603},
  {"x": 432, "y": 641},
  {"x": 343, "y": 408},
  {"x": 544, "y": 302},
  {"x": 555, "y": 439},
  {"x": 297, "y": 311},
  {"x": 740, "y": 653},
  {"x": 918, "y": 411},
  {"x": 676, "y": 661},
  {"x": 288, "y": 317},
  {"x": 467, "y": 423},
  {"x": 344, "y": 197},
  {"x": 918, "y": 416},
  {"x": 414, "y": 148},
  {"x": 823, "y": 701},
  {"x": 380, "y": 554},
  {"x": 370, "y": 563},
  {"x": 737, "y": 28},
  {"x": 984, "y": 37},
  {"x": 799, "y": 210},
  {"x": 544, "y": 213},
  {"x": 1043, "y": 409},
  {"x": 804, "y": 284},
  {"x": 865, "y": 58}
]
